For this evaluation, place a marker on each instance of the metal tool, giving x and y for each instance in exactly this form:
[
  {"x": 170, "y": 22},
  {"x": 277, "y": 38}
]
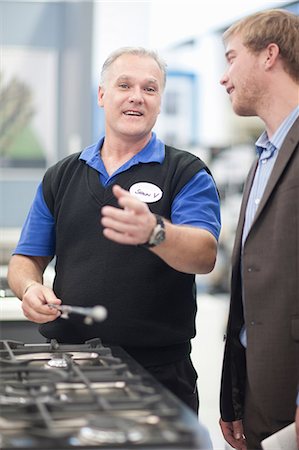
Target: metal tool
[{"x": 95, "y": 314}]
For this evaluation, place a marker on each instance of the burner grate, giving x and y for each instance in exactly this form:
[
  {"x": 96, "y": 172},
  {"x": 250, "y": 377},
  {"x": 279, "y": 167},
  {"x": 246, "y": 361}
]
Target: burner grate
[{"x": 58, "y": 396}]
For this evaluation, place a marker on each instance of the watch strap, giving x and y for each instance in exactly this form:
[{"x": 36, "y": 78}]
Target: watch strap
[{"x": 158, "y": 234}]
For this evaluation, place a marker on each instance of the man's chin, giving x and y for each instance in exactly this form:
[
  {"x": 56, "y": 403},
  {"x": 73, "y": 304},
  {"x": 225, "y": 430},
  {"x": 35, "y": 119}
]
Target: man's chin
[{"x": 243, "y": 112}]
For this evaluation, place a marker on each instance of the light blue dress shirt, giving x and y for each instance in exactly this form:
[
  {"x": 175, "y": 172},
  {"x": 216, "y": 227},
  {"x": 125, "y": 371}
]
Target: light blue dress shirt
[{"x": 267, "y": 151}]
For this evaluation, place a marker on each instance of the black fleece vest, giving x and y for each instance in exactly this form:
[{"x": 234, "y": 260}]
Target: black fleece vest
[{"x": 149, "y": 304}]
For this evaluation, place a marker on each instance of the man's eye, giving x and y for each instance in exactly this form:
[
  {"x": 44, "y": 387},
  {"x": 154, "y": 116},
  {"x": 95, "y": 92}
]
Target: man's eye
[
  {"x": 150, "y": 89},
  {"x": 123, "y": 86}
]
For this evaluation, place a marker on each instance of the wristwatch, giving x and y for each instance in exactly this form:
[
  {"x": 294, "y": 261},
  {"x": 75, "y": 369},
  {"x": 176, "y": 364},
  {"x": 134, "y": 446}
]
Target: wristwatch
[{"x": 158, "y": 234}]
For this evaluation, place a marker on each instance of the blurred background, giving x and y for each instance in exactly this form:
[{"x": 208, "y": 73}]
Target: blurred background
[{"x": 50, "y": 61}]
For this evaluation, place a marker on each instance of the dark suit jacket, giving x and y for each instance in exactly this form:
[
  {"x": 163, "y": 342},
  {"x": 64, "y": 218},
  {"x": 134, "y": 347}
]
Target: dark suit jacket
[{"x": 271, "y": 286}]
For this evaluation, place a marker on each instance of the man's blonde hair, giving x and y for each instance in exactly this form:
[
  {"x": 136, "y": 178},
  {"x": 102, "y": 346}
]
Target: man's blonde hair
[{"x": 274, "y": 26}]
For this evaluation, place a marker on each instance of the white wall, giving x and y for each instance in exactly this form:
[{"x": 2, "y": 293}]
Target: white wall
[
  {"x": 118, "y": 24},
  {"x": 163, "y": 26}
]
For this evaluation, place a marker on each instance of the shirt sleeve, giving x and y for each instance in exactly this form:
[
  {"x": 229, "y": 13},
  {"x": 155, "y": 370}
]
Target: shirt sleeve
[
  {"x": 38, "y": 232},
  {"x": 198, "y": 204}
]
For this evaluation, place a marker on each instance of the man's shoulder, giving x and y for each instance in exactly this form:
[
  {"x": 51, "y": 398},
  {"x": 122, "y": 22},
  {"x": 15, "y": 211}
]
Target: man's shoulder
[
  {"x": 63, "y": 166},
  {"x": 183, "y": 156},
  {"x": 57, "y": 177},
  {"x": 67, "y": 160},
  {"x": 63, "y": 169},
  {"x": 178, "y": 151}
]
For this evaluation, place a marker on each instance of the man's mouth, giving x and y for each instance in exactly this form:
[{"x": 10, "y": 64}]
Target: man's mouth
[
  {"x": 230, "y": 90},
  {"x": 133, "y": 113}
]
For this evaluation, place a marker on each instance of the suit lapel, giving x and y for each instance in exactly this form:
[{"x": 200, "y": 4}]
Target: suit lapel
[
  {"x": 239, "y": 229},
  {"x": 285, "y": 153},
  {"x": 287, "y": 149}
]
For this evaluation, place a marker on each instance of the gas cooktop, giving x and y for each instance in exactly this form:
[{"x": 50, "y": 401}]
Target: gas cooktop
[{"x": 87, "y": 396}]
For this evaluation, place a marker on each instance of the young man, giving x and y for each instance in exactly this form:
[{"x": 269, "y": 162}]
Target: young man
[
  {"x": 261, "y": 359},
  {"x": 130, "y": 221}
]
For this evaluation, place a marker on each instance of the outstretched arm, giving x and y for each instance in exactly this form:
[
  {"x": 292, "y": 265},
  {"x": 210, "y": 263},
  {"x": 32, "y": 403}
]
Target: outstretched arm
[{"x": 186, "y": 248}]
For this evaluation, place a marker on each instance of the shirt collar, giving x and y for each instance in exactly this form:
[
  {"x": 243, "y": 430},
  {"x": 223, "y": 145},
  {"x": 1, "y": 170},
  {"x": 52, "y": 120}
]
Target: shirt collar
[
  {"x": 278, "y": 137},
  {"x": 154, "y": 151}
]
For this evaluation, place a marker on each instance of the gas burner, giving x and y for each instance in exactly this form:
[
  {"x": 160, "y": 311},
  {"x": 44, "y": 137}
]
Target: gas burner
[
  {"x": 30, "y": 388},
  {"x": 112, "y": 430},
  {"x": 76, "y": 356},
  {"x": 58, "y": 362},
  {"x": 30, "y": 394},
  {"x": 61, "y": 396}
]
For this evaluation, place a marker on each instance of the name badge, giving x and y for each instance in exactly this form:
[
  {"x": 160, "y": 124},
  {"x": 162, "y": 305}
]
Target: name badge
[{"x": 146, "y": 192}]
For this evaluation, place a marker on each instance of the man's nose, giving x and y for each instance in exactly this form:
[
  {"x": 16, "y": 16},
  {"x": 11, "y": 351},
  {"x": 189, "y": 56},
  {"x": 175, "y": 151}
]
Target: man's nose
[
  {"x": 136, "y": 95},
  {"x": 223, "y": 79}
]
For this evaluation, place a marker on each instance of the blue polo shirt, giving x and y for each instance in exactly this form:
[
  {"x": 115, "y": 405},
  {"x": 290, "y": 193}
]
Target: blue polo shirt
[{"x": 197, "y": 204}]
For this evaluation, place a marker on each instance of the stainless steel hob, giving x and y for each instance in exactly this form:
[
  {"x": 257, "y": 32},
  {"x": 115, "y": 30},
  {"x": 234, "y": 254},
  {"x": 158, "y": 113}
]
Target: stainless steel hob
[{"x": 87, "y": 396}]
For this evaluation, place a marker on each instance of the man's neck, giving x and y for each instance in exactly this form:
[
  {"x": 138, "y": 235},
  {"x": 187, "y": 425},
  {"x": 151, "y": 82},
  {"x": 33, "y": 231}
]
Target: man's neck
[
  {"x": 281, "y": 103},
  {"x": 120, "y": 146},
  {"x": 115, "y": 152}
]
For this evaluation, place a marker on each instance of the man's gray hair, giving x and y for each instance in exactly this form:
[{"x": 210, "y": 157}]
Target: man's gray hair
[{"x": 138, "y": 51}]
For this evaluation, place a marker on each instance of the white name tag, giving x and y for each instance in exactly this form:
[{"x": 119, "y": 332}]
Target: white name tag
[{"x": 146, "y": 192}]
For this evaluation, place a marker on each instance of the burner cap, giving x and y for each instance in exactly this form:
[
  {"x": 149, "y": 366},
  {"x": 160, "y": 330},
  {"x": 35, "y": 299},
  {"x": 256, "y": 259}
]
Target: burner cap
[
  {"x": 112, "y": 430},
  {"x": 58, "y": 361}
]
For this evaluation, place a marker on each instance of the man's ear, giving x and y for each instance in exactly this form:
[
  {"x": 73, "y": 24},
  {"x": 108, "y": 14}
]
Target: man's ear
[
  {"x": 100, "y": 97},
  {"x": 271, "y": 53}
]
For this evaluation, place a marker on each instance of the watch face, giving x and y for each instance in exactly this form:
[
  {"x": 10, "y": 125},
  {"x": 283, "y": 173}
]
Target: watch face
[{"x": 160, "y": 236}]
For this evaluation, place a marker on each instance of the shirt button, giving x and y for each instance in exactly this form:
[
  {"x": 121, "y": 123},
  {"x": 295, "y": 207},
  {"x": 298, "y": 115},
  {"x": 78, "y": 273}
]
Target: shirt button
[
  {"x": 264, "y": 161},
  {"x": 249, "y": 269},
  {"x": 257, "y": 201}
]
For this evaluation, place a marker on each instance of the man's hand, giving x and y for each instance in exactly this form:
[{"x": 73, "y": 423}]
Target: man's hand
[
  {"x": 132, "y": 224},
  {"x": 233, "y": 433},
  {"x": 35, "y": 304},
  {"x": 187, "y": 248}
]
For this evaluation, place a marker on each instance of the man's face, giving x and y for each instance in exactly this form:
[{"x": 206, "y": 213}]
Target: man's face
[
  {"x": 243, "y": 78},
  {"x": 131, "y": 96}
]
